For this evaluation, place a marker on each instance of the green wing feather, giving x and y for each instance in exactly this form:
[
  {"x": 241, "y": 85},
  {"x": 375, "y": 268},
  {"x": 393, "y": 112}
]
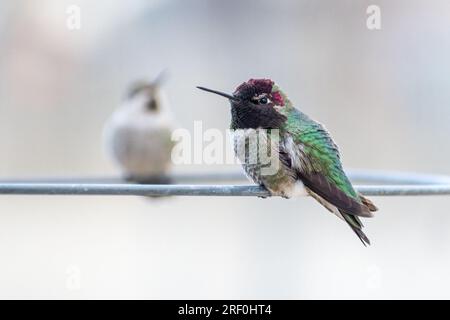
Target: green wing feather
[
  {"x": 321, "y": 168},
  {"x": 321, "y": 171}
]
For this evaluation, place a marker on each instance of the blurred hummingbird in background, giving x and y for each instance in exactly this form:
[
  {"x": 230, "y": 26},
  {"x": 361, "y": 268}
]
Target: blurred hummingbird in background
[
  {"x": 137, "y": 136},
  {"x": 305, "y": 151}
]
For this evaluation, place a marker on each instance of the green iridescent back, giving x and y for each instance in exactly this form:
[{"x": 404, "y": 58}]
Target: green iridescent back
[{"x": 317, "y": 145}]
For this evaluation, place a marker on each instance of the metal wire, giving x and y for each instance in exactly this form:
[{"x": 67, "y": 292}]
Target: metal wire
[
  {"x": 395, "y": 184},
  {"x": 196, "y": 190}
]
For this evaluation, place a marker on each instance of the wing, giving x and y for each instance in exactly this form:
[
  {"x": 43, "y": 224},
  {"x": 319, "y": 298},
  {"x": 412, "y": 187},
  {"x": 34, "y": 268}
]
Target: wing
[{"x": 318, "y": 164}]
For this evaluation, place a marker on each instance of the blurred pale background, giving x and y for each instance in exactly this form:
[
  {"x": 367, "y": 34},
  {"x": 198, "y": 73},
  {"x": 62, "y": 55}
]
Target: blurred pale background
[{"x": 384, "y": 94}]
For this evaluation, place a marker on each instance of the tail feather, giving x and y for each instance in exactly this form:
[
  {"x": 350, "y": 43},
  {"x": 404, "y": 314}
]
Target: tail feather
[
  {"x": 353, "y": 221},
  {"x": 356, "y": 225}
]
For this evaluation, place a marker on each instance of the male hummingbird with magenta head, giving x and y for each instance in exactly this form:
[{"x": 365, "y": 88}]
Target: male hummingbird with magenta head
[{"x": 305, "y": 150}]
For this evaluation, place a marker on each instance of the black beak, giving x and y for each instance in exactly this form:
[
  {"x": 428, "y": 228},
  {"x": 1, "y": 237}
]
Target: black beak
[{"x": 223, "y": 94}]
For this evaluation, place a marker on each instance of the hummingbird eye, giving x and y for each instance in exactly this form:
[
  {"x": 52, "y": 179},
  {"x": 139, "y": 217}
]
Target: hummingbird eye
[{"x": 263, "y": 100}]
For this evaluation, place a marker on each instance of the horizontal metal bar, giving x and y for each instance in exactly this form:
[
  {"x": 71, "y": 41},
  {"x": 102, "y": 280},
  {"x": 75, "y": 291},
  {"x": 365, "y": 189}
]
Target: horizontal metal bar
[
  {"x": 196, "y": 190},
  {"x": 405, "y": 190},
  {"x": 131, "y": 189}
]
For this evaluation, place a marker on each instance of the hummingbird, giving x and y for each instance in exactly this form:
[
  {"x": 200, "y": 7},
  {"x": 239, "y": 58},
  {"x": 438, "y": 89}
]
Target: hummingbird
[
  {"x": 137, "y": 135},
  {"x": 306, "y": 153}
]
